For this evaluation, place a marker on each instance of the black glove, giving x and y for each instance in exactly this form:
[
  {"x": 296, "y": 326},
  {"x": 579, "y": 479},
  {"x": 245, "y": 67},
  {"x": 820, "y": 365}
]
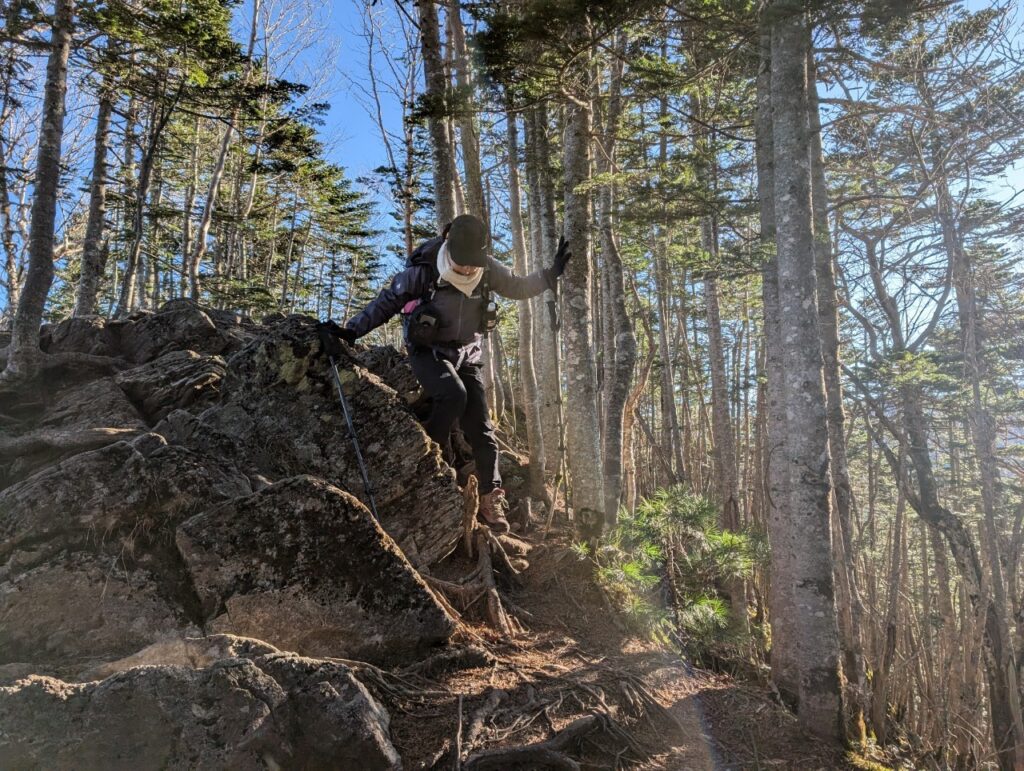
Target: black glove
[
  {"x": 329, "y": 334},
  {"x": 558, "y": 266}
]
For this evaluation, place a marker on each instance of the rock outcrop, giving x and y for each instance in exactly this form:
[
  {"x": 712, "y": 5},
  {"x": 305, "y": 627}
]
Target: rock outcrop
[
  {"x": 303, "y": 566},
  {"x": 245, "y": 706},
  {"x": 177, "y": 380},
  {"x": 78, "y": 608},
  {"x": 198, "y": 477},
  {"x": 281, "y": 409}
]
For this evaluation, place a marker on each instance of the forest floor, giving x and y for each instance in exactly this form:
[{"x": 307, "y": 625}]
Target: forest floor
[{"x": 575, "y": 660}]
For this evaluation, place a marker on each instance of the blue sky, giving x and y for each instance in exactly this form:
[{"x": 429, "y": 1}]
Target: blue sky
[
  {"x": 354, "y": 135},
  {"x": 351, "y": 134}
]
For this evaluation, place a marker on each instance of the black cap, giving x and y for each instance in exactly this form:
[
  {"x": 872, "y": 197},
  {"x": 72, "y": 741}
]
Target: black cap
[{"x": 467, "y": 237}]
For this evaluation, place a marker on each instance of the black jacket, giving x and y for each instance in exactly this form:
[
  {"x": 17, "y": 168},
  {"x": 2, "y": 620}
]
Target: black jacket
[{"x": 460, "y": 317}]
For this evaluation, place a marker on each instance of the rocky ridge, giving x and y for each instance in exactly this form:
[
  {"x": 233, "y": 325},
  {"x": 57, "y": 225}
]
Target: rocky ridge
[{"x": 202, "y": 482}]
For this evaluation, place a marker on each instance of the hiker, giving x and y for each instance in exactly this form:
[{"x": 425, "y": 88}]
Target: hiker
[{"x": 444, "y": 295}]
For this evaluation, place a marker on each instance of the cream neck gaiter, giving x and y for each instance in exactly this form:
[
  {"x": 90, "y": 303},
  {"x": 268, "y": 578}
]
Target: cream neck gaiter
[{"x": 445, "y": 269}]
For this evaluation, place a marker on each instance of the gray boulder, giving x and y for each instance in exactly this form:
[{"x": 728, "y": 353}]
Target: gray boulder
[
  {"x": 76, "y": 419},
  {"x": 256, "y": 710},
  {"x": 112, "y": 498},
  {"x": 281, "y": 408},
  {"x": 180, "y": 325},
  {"x": 176, "y": 380},
  {"x": 80, "y": 607},
  {"x": 303, "y": 566},
  {"x": 80, "y": 334},
  {"x": 392, "y": 367}
]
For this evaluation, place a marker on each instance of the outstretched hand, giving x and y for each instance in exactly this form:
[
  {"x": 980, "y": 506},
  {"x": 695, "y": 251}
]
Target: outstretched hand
[
  {"x": 330, "y": 334},
  {"x": 562, "y": 257}
]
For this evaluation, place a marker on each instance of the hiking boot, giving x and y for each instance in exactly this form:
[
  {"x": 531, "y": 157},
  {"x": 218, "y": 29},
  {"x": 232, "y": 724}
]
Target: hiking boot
[{"x": 493, "y": 508}]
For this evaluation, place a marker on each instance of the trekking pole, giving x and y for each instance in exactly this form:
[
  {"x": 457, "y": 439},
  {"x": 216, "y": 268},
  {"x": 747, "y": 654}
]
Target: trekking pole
[{"x": 355, "y": 440}]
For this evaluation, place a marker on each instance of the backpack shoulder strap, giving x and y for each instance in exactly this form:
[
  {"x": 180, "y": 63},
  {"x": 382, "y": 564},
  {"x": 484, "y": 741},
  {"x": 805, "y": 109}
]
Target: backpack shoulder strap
[
  {"x": 424, "y": 257},
  {"x": 489, "y": 318}
]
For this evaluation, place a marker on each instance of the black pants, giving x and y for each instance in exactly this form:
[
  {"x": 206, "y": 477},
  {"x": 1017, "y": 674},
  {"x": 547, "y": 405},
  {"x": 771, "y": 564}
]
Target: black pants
[{"x": 459, "y": 395}]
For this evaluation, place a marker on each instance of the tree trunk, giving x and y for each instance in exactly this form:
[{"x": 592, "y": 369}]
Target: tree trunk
[
  {"x": 927, "y": 504},
  {"x": 722, "y": 431},
  {"x": 152, "y": 275},
  {"x": 669, "y": 415},
  {"x": 527, "y": 375},
  {"x": 23, "y": 350},
  {"x": 582, "y": 428},
  {"x": 94, "y": 252},
  {"x": 828, "y": 315},
  {"x": 464, "y": 115},
  {"x": 621, "y": 348},
  {"x": 203, "y": 231},
  {"x": 436, "y": 98},
  {"x": 721, "y": 426},
  {"x": 785, "y": 669},
  {"x": 629, "y": 415},
  {"x": 1007, "y": 727},
  {"x": 806, "y": 450},
  {"x": 210, "y": 206},
  {"x": 7, "y": 219},
  {"x": 880, "y": 704},
  {"x": 546, "y": 322},
  {"x": 129, "y": 294}
]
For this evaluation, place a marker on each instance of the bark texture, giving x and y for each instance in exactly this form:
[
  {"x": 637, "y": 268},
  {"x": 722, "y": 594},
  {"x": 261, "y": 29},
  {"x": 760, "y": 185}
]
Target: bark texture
[
  {"x": 528, "y": 377},
  {"x": 582, "y": 428},
  {"x": 436, "y": 98},
  {"x": 806, "y": 450},
  {"x": 850, "y": 605},
  {"x": 620, "y": 343},
  {"x": 94, "y": 247},
  {"x": 24, "y": 346},
  {"x": 546, "y": 326},
  {"x": 784, "y": 658}
]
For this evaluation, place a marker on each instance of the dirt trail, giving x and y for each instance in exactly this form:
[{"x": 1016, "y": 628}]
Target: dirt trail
[{"x": 576, "y": 660}]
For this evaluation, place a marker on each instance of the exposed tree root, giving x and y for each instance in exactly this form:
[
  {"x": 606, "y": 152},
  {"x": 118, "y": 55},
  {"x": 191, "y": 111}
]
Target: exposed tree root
[
  {"x": 453, "y": 754},
  {"x": 396, "y": 688},
  {"x": 62, "y": 441},
  {"x": 452, "y": 659},
  {"x": 476, "y": 723},
  {"x": 34, "y": 365},
  {"x": 470, "y": 506},
  {"x": 496, "y": 614},
  {"x": 523, "y": 515},
  {"x": 514, "y": 546},
  {"x": 552, "y": 753},
  {"x": 458, "y": 739},
  {"x": 481, "y": 584},
  {"x": 600, "y": 729}
]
